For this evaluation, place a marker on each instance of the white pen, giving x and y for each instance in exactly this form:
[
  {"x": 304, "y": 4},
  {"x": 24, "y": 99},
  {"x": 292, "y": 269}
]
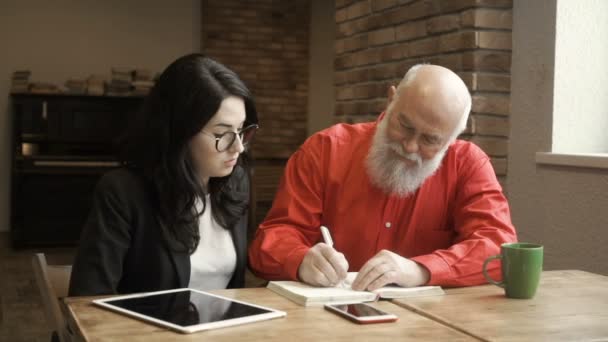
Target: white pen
[
  {"x": 326, "y": 236},
  {"x": 328, "y": 241}
]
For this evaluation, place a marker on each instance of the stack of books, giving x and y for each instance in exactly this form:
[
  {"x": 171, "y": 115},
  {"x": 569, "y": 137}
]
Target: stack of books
[
  {"x": 142, "y": 82},
  {"x": 96, "y": 85},
  {"x": 76, "y": 86},
  {"x": 44, "y": 88},
  {"x": 120, "y": 83},
  {"x": 20, "y": 81}
]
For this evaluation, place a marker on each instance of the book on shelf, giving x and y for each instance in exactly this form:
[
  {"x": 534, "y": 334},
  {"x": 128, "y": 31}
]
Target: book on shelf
[{"x": 308, "y": 295}]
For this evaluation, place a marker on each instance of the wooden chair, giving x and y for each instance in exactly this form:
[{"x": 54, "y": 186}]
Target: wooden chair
[{"x": 53, "y": 282}]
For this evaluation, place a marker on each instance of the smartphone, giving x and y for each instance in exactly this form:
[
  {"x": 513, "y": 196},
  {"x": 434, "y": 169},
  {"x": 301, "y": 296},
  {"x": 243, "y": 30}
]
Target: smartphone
[{"x": 361, "y": 313}]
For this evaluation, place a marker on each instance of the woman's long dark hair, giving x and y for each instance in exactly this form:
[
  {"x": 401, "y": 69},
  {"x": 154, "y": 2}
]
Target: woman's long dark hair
[{"x": 186, "y": 96}]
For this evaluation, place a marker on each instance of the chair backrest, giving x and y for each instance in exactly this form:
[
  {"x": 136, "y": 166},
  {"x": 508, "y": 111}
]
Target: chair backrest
[{"x": 53, "y": 282}]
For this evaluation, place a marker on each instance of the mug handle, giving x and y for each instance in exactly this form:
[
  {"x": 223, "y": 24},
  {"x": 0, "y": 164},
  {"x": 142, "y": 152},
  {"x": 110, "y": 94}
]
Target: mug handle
[{"x": 485, "y": 272}]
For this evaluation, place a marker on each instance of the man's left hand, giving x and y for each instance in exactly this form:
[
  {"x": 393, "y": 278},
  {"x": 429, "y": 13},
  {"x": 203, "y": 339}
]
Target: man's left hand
[{"x": 387, "y": 267}]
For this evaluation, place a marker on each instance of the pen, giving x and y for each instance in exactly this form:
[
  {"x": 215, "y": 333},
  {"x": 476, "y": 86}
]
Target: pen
[
  {"x": 330, "y": 242},
  {"x": 327, "y": 237}
]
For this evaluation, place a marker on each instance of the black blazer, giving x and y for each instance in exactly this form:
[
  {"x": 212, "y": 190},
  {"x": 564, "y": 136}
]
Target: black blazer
[{"x": 122, "y": 249}]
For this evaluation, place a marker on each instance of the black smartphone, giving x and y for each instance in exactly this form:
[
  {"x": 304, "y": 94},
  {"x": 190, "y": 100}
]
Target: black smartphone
[{"x": 361, "y": 313}]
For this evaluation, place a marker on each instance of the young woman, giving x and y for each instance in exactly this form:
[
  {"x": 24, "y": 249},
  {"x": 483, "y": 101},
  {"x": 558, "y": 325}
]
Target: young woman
[{"x": 176, "y": 214}]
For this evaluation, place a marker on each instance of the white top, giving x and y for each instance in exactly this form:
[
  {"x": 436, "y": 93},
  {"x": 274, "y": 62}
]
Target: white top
[{"x": 214, "y": 261}]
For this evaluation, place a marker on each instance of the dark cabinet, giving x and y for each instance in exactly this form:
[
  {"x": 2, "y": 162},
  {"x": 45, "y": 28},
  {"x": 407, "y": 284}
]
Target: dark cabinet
[{"x": 62, "y": 144}]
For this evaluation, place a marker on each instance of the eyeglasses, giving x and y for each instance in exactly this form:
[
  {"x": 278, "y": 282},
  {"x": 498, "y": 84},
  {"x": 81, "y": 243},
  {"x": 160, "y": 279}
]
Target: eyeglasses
[{"x": 225, "y": 140}]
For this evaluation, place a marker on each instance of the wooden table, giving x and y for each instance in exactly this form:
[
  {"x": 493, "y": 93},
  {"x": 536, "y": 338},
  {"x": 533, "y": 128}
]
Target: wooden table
[
  {"x": 568, "y": 306},
  {"x": 301, "y": 324}
]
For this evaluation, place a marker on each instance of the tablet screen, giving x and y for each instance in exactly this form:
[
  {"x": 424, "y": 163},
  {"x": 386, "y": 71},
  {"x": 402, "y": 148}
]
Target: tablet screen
[
  {"x": 189, "y": 310},
  {"x": 187, "y": 307}
]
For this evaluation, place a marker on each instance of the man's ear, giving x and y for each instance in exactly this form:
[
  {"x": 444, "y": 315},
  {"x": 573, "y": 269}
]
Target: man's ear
[{"x": 391, "y": 94}]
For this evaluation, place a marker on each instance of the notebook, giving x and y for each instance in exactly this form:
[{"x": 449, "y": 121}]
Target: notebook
[{"x": 308, "y": 295}]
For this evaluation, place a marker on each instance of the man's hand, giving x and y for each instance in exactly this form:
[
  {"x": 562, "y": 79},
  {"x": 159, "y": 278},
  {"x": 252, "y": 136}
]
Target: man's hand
[
  {"x": 387, "y": 267},
  {"x": 323, "y": 266}
]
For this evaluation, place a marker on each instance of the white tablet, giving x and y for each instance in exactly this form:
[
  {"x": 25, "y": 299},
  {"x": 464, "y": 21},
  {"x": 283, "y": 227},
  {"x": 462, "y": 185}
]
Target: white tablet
[{"x": 188, "y": 310}]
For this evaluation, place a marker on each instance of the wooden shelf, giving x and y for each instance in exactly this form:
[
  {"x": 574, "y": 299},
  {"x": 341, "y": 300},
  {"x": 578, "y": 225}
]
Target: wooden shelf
[{"x": 73, "y": 138}]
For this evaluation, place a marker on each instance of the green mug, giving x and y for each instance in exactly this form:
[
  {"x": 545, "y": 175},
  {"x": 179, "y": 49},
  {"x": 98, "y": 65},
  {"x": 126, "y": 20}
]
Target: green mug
[{"x": 522, "y": 264}]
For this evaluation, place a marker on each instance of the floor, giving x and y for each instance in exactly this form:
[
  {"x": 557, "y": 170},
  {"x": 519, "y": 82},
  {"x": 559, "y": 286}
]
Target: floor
[{"x": 21, "y": 315}]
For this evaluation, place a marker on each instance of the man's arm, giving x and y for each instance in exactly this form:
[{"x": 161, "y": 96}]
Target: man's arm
[
  {"x": 292, "y": 225},
  {"x": 482, "y": 223}
]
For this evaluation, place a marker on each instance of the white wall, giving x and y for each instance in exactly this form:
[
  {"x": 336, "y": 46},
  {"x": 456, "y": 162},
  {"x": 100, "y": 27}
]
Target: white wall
[
  {"x": 75, "y": 38},
  {"x": 321, "y": 65},
  {"x": 563, "y": 208},
  {"x": 580, "y": 113}
]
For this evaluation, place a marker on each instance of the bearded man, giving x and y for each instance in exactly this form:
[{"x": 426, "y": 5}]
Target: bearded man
[{"x": 405, "y": 201}]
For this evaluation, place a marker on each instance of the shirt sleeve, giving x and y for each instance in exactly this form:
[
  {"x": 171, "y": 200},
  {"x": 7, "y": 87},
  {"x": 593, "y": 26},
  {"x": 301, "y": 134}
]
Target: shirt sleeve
[
  {"x": 482, "y": 222},
  {"x": 104, "y": 242},
  {"x": 292, "y": 224}
]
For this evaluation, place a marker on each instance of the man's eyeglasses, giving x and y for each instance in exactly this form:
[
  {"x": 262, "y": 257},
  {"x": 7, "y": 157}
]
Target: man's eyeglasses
[{"x": 225, "y": 140}]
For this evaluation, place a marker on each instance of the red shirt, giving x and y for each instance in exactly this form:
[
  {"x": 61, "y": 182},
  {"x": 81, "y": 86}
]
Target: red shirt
[{"x": 451, "y": 224}]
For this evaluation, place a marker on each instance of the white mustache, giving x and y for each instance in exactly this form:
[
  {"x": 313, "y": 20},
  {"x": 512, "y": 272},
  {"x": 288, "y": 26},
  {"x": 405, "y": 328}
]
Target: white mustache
[{"x": 415, "y": 157}]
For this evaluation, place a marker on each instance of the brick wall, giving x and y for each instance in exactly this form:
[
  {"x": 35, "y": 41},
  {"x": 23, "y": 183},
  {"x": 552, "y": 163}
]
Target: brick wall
[
  {"x": 266, "y": 43},
  {"x": 378, "y": 40}
]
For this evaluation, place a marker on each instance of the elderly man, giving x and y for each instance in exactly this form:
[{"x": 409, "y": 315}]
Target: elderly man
[{"x": 405, "y": 201}]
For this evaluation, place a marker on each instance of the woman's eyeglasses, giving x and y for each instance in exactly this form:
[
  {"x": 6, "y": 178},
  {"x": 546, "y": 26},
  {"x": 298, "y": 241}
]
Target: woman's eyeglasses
[{"x": 225, "y": 140}]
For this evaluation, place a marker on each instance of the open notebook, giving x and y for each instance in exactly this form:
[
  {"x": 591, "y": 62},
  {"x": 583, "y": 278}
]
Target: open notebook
[{"x": 306, "y": 295}]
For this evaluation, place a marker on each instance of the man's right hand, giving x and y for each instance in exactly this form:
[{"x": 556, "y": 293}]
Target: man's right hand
[{"x": 323, "y": 266}]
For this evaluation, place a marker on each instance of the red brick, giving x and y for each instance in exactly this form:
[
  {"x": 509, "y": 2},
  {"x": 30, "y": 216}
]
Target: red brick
[
  {"x": 494, "y": 40},
  {"x": 451, "y": 61},
  {"x": 469, "y": 127},
  {"x": 350, "y": 28},
  {"x": 483, "y": 60},
  {"x": 385, "y": 71},
  {"x": 379, "y": 5},
  {"x": 342, "y": 3},
  {"x": 345, "y": 61},
  {"x": 448, "y": 6},
  {"x": 358, "y": 75},
  {"x": 377, "y": 106},
  {"x": 490, "y": 125},
  {"x": 367, "y": 91},
  {"x": 345, "y": 108},
  {"x": 411, "y": 30},
  {"x": 444, "y": 23},
  {"x": 499, "y": 165},
  {"x": 491, "y": 104},
  {"x": 487, "y": 18},
  {"x": 457, "y": 41},
  {"x": 361, "y": 118},
  {"x": 487, "y": 82},
  {"x": 417, "y": 10},
  {"x": 345, "y": 93},
  {"x": 403, "y": 67},
  {"x": 382, "y": 36},
  {"x": 393, "y": 52},
  {"x": 494, "y": 147},
  {"x": 341, "y": 15},
  {"x": 339, "y": 46},
  {"x": 358, "y": 9},
  {"x": 422, "y": 47},
  {"x": 366, "y": 57},
  {"x": 357, "y": 42},
  {"x": 495, "y": 3}
]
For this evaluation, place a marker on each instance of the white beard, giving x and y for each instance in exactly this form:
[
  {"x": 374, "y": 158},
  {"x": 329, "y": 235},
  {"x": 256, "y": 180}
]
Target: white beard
[{"x": 391, "y": 174}]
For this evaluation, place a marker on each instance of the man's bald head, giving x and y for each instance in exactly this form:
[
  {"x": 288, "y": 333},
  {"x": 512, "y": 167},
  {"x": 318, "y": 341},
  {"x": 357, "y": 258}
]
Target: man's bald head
[
  {"x": 439, "y": 93},
  {"x": 425, "y": 114}
]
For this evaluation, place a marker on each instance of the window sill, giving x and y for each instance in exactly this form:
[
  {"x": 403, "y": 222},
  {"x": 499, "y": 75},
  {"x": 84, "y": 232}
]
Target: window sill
[{"x": 587, "y": 160}]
